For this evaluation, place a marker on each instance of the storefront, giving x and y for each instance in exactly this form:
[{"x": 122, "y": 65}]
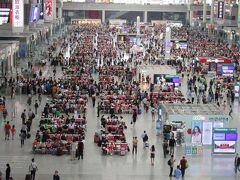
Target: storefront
[
  {"x": 24, "y": 42},
  {"x": 199, "y": 121},
  {"x": 85, "y": 21},
  {"x": 117, "y": 22},
  {"x": 218, "y": 65},
  {"x": 12, "y": 54},
  {"x": 158, "y": 74},
  {"x": 3, "y": 61}
]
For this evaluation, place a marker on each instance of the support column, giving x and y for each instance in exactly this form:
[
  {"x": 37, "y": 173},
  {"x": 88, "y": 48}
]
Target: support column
[
  {"x": 204, "y": 11},
  {"x": 168, "y": 43},
  {"x": 103, "y": 16},
  {"x": 60, "y": 10},
  {"x": 212, "y": 12},
  {"x": 145, "y": 19},
  {"x": 54, "y": 11},
  {"x": 190, "y": 17}
]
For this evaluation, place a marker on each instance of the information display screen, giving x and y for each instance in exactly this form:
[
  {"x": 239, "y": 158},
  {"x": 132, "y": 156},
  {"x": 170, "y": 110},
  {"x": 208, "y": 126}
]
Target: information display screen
[
  {"x": 219, "y": 136},
  {"x": 231, "y": 137},
  {"x": 224, "y": 147},
  {"x": 4, "y": 15}
]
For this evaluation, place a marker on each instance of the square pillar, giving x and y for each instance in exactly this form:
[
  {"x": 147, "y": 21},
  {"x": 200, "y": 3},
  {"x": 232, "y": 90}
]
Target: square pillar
[
  {"x": 145, "y": 18},
  {"x": 103, "y": 16}
]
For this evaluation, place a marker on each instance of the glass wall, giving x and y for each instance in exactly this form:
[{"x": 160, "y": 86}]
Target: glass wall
[
  {"x": 160, "y": 2},
  {"x": 130, "y": 16}
]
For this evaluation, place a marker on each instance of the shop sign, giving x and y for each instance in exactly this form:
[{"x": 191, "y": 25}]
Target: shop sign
[
  {"x": 220, "y": 118},
  {"x": 220, "y": 9},
  {"x": 199, "y": 118},
  {"x": 18, "y": 13}
]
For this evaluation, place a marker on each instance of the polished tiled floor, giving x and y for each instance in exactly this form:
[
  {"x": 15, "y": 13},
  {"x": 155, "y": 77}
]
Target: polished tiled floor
[{"x": 94, "y": 166}]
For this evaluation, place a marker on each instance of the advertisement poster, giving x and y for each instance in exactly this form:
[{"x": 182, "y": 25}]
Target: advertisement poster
[
  {"x": 207, "y": 133},
  {"x": 196, "y": 132},
  {"x": 224, "y": 147},
  {"x": 18, "y": 13},
  {"x": 48, "y": 11},
  {"x": 218, "y": 124},
  {"x": 35, "y": 13}
]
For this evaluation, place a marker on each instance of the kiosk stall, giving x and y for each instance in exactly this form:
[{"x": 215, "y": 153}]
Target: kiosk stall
[
  {"x": 218, "y": 65},
  {"x": 155, "y": 72},
  {"x": 199, "y": 119},
  {"x": 224, "y": 140},
  {"x": 157, "y": 75}
]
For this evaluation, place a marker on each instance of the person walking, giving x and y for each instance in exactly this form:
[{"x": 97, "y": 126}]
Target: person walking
[
  {"x": 80, "y": 150},
  {"x": 36, "y": 106},
  {"x": 8, "y": 172},
  {"x": 236, "y": 163},
  {"x": 134, "y": 116},
  {"x": 23, "y": 116},
  {"x": 165, "y": 148},
  {"x": 183, "y": 165},
  {"x": 40, "y": 98},
  {"x": 22, "y": 137},
  {"x": 13, "y": 131},
  {"x": 153, "y": 112},
  {"x": 74, "y": 146},
  {"x": 5, "y": 114},
  {"x": 56, "y": 176},
  {"x": 7, "y": 130},
  {"x": 152, "y": 154},
  {"x": 144, "y": 139},
  {"x": 93, "y": 100},
  {"x": 230, "y": 111},
  {"x": 98, "y": 110},
  {"x": 33, "y": 169},
  {"x": 178, "y": 173},
  {"x": 171, "y": 165},
  {"x": 172, "y": 144},
  {"x": 135, "y": 142}
]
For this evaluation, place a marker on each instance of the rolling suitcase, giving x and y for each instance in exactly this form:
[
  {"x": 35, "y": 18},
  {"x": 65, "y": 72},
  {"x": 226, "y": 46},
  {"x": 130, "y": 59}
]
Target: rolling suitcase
[
  {"x": 122, "y": 152},
  {"x": 96, "y": 138},
  {"x": 28, "y": 177}
]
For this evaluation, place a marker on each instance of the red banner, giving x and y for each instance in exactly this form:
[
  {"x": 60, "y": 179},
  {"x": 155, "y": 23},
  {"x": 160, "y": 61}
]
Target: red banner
[{"x": 48, "y": 8}]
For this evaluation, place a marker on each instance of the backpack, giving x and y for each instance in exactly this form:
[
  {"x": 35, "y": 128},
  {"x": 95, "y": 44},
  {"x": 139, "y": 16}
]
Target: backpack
[
  {"x": 169, "y": 162},
  {"x": 145, "y": 138},
  {"x": 33, "y": 115}
]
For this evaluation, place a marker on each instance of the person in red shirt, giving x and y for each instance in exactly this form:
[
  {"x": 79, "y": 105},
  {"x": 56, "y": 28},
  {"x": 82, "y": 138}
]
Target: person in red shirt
[
  {"x": 183, "y": 165},
  {"x": 7, "y": 130},
  {"x": 13, "y": 131}
]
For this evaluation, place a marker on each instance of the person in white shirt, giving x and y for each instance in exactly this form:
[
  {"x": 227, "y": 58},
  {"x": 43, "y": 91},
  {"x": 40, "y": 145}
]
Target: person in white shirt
[{"x": 33, "y": 168}]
